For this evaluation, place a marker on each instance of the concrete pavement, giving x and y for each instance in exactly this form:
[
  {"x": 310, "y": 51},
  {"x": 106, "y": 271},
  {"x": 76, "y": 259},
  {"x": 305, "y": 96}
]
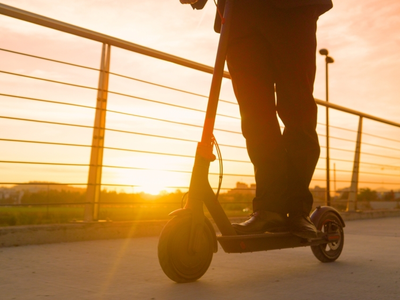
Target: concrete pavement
[{"x": 368, "y": 269}]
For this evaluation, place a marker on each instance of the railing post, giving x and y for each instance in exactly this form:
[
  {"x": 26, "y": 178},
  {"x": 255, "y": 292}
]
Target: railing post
[
  {"x": 96, "y": 156},
  {"x": 352, "y": 200}
]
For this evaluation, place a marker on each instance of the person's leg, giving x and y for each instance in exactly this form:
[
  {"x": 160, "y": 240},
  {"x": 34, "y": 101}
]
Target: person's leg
[
  {"x": 292, "y": 35},
  {"x": 251, "y": 68},
  {"x": 249, "y": 62},
  {"x": 293, "y": 38},
  {"x": 271, "y": 45}
]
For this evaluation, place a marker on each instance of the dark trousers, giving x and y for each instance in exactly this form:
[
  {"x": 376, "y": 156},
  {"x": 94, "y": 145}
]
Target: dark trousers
[{"x": 270, "y": 49}]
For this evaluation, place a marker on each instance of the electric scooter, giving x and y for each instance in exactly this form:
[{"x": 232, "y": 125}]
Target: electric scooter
[{"x": 188, "y": 241}]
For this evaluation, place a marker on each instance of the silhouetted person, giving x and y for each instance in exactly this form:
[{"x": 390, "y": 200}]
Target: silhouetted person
[{"x": 271, "y": 52}]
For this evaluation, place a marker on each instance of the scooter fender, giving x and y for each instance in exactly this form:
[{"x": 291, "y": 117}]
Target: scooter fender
[
  {"x": 179, "y": 212},
  {"x": 320, "y": 211},
  {"x": 183, "y": 212}
]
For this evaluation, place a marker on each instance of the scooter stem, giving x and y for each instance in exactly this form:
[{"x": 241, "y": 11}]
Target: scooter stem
[
  {"x": 200, "y": 190},
  {"x": 215, "y": 89}
]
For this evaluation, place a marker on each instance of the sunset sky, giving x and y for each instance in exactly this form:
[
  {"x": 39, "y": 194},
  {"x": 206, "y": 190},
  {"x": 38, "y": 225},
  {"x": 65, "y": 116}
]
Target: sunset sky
[{"x": 363, "y": 37}]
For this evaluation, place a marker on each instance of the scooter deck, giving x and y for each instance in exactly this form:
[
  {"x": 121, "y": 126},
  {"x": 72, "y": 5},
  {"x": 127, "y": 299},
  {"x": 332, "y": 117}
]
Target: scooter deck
[{"x": 267, "y": 241}]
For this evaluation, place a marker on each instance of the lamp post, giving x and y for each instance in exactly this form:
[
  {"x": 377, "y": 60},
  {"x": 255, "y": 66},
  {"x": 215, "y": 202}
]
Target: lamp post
[{"x": 328, "y": 60}]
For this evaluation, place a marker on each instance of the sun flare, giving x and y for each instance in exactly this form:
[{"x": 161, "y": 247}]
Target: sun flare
[{"x": 153, "y": 178}]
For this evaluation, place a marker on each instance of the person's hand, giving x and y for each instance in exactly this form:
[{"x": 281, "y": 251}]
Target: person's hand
[{"x": 188, "y": 1}]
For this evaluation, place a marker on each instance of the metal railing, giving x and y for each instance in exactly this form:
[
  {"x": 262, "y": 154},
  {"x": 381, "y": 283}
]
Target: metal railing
[{"x": 152, "y": 127}]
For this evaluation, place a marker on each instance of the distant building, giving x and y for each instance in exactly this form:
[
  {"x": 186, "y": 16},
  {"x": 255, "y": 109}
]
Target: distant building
[{"x": 243, "y": 188}]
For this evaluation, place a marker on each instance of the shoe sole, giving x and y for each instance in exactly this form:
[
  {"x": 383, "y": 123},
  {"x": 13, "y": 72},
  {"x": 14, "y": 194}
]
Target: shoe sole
[
  {"x": 305, "y": 234},
  {"x": 271, "y": 230}
]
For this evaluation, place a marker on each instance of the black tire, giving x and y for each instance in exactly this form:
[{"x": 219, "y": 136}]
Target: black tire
[
  {"x": 330, "y": 224},
  {"x": 173, "y": 255}
]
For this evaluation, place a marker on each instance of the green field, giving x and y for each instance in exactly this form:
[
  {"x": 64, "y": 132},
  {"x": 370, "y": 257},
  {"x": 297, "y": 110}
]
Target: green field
[
  {"x": 11, "y": 216},
  {"x": 36, "y": 215}
]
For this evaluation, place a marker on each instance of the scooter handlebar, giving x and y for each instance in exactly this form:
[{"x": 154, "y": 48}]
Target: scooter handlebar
[
  {"x": 196, "y": 4},
  {"x": 188, "y": 1}
]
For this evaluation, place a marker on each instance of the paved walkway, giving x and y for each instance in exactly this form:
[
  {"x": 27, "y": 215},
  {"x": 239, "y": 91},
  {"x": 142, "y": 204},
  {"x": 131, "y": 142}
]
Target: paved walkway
[{"x": 369, "y": 268}]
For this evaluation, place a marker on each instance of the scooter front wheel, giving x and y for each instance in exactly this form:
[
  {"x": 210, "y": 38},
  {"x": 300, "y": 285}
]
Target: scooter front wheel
[
  {"x": 331, "y": 226},
  {"x": 177, "y": 261}
]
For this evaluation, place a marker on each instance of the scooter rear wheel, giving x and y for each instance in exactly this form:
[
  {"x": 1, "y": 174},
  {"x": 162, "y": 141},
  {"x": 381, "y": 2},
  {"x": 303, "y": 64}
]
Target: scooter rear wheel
[
  {"x": 177, "y": 262},
  {"x": 330, "y": 225}
]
